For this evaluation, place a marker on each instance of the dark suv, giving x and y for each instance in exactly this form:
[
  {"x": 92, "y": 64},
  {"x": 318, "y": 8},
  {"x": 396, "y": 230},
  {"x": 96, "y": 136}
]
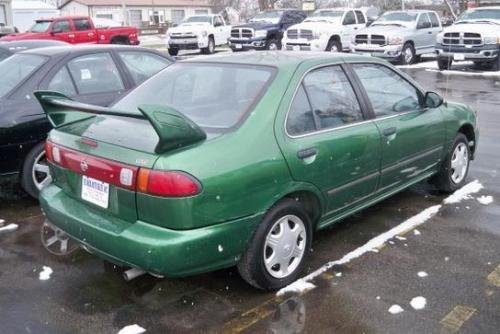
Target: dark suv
[{"x": 265, "y": 30}]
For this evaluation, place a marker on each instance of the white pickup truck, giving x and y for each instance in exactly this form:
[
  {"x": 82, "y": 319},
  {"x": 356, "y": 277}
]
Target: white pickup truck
[
  {"x": 475, "y": 36},
  {"x": 203, "y": 32},
  {"x": 325, "y": 30}
]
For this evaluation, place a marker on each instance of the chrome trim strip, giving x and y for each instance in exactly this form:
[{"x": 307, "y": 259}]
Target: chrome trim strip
[
  {"x": 353, "y": 183},
  {"x": 411, "y": 159}
]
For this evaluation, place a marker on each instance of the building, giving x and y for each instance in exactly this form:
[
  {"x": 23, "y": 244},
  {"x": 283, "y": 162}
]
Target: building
[
  {"x": 25, "y": 12},
  {"x": 139, "y": 13},
  {"x": 5, "y": 13}
]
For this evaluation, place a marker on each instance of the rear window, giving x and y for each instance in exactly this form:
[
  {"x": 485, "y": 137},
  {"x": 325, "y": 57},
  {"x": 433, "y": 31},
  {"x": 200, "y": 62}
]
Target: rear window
[
  {"x": 16, "y": 69},
  {"x": 214, "y": 96}
]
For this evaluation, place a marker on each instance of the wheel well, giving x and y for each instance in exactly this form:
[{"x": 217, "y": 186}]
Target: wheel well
[
  {"x": 211, "y": 36},
  {"x": 411, "y": 43},
  {"x": 335, "y": 38},
  {"x": 468, "y": 131},
  {"x": 310, "y": 202}
]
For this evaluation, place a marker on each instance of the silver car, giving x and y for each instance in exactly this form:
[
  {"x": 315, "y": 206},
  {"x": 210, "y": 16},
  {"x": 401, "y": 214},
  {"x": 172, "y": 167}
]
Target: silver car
[{"x": 399, "y": 36}]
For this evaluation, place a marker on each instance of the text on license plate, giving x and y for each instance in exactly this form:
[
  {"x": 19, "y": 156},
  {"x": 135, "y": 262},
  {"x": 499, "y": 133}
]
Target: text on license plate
[
  {"x": 458, "y": 56},
  {"x": 95, "y": 191}
]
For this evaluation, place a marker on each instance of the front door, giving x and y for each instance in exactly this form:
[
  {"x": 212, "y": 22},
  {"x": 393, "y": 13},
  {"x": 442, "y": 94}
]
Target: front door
[
  {"x": 84, "y": 33},
  {"x": 328, "y": 142},
  {"x": 412, "y": 136},
  {"x": 62, "y": 31},
  {"x": 349, "y": 28},
  {"x": 424, "y": 38}
]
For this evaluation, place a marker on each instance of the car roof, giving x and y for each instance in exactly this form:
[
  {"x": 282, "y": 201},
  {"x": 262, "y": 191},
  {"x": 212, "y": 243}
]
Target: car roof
[
  {"x": 275, "y": 58},
  {"x": 415, "y": 11},
  {"x": 59, "y": 50}
]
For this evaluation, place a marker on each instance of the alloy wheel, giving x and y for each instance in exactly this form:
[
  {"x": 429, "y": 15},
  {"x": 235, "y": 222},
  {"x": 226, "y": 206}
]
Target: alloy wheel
[
  {"x": 273, "y": 46},
  {"x": 56, "y": 241},
  {"x": 459, "y": 163},
  {"x": 285, "y": 245},
  {"x": 408, "y": 55},
  {"x": 40, "y": 172}
]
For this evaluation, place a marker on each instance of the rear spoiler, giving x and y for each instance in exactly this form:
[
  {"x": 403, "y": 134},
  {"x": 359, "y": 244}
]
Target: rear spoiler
[{"x": 174, "y": 129}]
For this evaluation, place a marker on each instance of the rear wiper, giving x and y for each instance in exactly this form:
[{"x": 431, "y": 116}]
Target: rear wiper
[{"x": 174, "y": 129}]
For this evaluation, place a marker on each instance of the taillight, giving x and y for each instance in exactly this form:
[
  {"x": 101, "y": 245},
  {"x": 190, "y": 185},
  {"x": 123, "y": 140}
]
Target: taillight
[
  {"x": 167, "y": 183},
  {"x": 48, "y": 151}
]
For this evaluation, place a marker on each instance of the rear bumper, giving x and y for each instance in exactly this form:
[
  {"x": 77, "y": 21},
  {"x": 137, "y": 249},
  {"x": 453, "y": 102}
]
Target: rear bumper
[
  {"x": 152, "y": 248},
  {"x": 476, "y": 53}
]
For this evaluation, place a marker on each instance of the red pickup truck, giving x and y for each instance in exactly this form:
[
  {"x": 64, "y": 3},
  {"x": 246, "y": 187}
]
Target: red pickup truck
[{"x": 76, "y": 30}]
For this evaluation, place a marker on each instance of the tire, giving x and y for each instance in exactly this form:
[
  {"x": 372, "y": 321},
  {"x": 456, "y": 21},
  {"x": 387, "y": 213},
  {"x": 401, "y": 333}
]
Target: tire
[
  {"x": 333, "y": 46},
  {"x": 210, "y": 48},
  {"x": 407, "y": 54},
  {"x": 173, "y": 52},
  {"x": 35, "y": 174},
  {"x": 495, "y": 65},
  {"x": 252, "y": 267},
  {"x": 444, "y": 63},
  {"x": 273, "y": 45},
  {"x": 445, "y": 179}
]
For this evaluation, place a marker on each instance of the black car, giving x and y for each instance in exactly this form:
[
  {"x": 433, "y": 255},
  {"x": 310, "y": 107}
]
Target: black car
[
  {"x": 90, "y": 74},
  {"x": 265, "y": 30},
  {"x": 7, "y": 49}
]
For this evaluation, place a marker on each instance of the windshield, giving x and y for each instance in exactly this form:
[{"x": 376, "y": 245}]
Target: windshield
[
  {"x": 17, "y": 68},
  {"x": 396, "y": 17},
  {"x": 207, "y": 19},
  {"x": 272, "y": 16},
  {"x": 480, "y": 14},
  {"x": 40, "y": 26},
  {"x": 325, "y": 14},
  {"x": 214, "y": 96}
]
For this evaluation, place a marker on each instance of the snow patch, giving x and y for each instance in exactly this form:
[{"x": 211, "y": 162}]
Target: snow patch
[
  {"x": 395, "y": 309},
  {"x": 299, "y": 286},
  {"x": 418, "y": 303},
  {"x": 374, "y": 243},
  {"x": 400, "y": 237},
  {"x": 338, "y": 274},
  {"x": 464, "y": 192},
  {"x": 1, "y": 222},
  {"x": 8, "y": 228},
  {"x": 422, "y": 274},
  {"x": 132, "y": 329},
  {"x": 485, "y": 200},
  {"x": 45, "y": 273},
  {"x": 416, "y": 232}
]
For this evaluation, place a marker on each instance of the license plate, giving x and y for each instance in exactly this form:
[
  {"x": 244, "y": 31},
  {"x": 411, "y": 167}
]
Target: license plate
[
  {"x": 458, "y": 56},
  {"x": 183, "y": 41},
  {"x": 296, "y": 48},
  {"x": 238, "y": 46},
  {"x": 95, "y": 191}
]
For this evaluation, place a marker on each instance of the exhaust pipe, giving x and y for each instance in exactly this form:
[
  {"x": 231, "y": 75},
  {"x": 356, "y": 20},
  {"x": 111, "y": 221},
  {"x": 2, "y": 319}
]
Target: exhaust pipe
[{"x": 132, "y": 273}]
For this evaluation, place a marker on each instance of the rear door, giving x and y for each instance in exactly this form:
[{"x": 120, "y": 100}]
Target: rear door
[
  {"x": 84, "y": 31},
  {"x": 327, "y": 140},
  {"x": 412, "y": 136},
  {"x": 63, "y": 30},
  {"x": 91, "y": 78}
]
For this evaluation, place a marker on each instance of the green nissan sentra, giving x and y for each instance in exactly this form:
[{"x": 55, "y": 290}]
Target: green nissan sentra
[{"x": 239, "y": 159}]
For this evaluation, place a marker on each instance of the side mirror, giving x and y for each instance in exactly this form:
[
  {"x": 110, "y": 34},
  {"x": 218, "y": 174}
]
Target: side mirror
[{"x": 433, "y": 100}]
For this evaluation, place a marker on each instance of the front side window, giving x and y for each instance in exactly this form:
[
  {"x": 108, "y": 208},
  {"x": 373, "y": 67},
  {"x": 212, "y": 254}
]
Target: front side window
[
  {"x": 142, "y": 65},
  {"x": 360, "y": 17},
  {"x": 423, "y": 21},
  {"x": 16, "y": 69},
  {"x": 349, "y": 18},
  {"x": 95, "y": 73},
  {"x": 325, "y": 100},
  {"x": 82, "y": 24},
  {"x": 434, "y": 20},
  {"x": 61, "y": 26},
  {"x": 388, "y": 92},
  {"x": 214, "y": 96}
]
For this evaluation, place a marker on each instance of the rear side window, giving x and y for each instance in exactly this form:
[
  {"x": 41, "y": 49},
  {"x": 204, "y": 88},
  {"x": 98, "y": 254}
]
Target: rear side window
[
  {"x": 82, "y": 24},
  {"x": 434, "y": 20},
  {"x": 95, "y": 73},
  {"x": 16, "y": 69},
  {"x": 360, "y": 16},
  {"x": 62, "y": 83},
  {"x": 331, "y": 102},
  {"x": 142, "y": 65},
  {"x": 61, "y": 26}
]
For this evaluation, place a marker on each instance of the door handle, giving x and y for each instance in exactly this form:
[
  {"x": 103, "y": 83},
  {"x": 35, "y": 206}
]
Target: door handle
[
  {"x": 429, "y": 32},
  {"x": 389, "y": 131},
  {"x": 355, "y": 28},
  {"x": 307, "y": 153}
]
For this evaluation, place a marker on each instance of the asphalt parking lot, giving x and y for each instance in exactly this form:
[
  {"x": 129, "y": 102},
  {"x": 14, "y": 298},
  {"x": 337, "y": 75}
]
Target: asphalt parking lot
[{"x": 451, "y": 261}]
